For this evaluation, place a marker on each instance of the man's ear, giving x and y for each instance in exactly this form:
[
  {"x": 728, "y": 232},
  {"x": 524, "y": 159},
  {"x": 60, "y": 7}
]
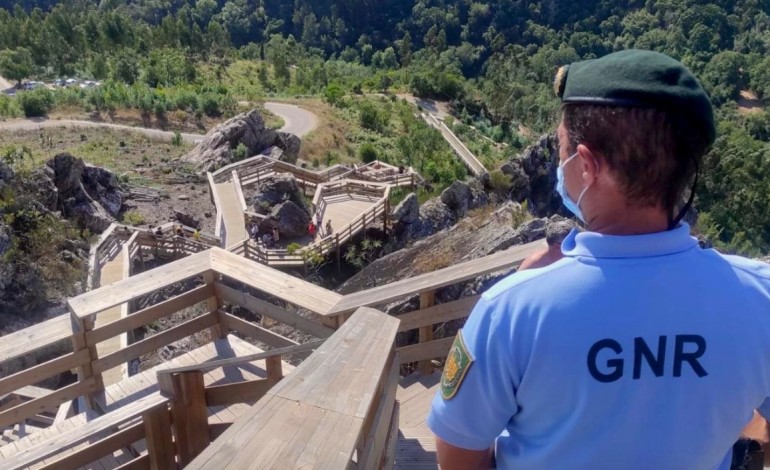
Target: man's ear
[{"x": 589, "y": 164}]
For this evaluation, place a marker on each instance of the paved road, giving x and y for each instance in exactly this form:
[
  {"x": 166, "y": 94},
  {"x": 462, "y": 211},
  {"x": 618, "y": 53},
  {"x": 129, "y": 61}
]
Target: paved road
[{"x": 297, "y": 121}]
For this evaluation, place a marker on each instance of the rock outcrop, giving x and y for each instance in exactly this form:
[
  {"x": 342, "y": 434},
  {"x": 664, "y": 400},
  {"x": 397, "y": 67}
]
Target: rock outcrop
[
  {"x": 292, "y": 219},
  {"x": 533, "y": 177},
  {"x": 216, "y": 149},
  {"x": 88, "y": 195},
  {"x": 276, "y": 190}
]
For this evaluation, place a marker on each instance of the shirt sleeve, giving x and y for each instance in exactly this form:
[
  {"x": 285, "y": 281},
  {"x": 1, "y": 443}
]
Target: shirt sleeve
[{"x": 485, "y": 399}]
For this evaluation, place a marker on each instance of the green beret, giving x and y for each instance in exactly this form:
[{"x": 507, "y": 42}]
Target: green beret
[{"x": 637, "y": 78}]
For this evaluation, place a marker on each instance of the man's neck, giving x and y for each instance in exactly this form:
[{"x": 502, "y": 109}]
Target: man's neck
[{"x": 629, "y": 220}]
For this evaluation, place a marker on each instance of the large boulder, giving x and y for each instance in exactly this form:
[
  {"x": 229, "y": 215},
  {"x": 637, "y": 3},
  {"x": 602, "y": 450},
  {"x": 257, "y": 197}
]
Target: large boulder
[
  {"x": 457, "y": 197},
  {"x": 276, "y": 190},
  {"x": 89, "y": 195},
  {"x": 292, "y": 219},
  {"x": 216, "y": 149}
]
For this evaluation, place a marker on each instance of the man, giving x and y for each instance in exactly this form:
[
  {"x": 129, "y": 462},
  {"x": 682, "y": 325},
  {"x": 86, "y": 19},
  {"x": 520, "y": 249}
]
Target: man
[
  {"x": 638, "y": 349},
  {"x": 555, "y": 233}
]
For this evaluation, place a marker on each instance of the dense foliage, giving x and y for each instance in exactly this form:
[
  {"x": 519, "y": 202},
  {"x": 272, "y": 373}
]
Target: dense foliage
[{"x": 494, "y": 59}]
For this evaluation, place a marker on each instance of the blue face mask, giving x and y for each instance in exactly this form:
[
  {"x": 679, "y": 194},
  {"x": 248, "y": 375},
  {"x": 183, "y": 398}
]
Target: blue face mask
[{"x": 571, "y": 205}]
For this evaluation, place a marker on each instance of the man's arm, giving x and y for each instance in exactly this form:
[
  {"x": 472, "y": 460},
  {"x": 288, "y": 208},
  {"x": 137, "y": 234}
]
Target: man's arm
[
  {"x": 533, "y": 260},
  {"x": 456, "y": 458}
]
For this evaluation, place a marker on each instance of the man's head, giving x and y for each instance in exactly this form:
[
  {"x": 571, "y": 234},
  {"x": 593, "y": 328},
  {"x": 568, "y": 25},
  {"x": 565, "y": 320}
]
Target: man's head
[
  {"x": 638, "y": 124},
  {"x": 556, "y": 231}
]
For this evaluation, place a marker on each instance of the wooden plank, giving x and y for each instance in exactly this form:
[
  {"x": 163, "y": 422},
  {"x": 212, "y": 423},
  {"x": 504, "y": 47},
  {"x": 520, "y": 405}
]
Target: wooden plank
[
  {"x": 23, "y": 342},
  {"x": 97, "y": 450},
  {"x": 392, "y": 440},
  {"x": 136, "y": 286},
  {"x": 32, "y": 391},
  {"x": 360, "y": 349},
  {"x": 431, "y": 281},
  {"x": 157, "y": 429},
  {"x": 83, "y": 433},
  {"x": 438, "y": 313},
  {"x": 155, "y": 342},
  {"x": 140, "y": 463},
  {"x": 190, "y": 416},
  {"x": 254, "y": 305},
  {"x": 431, "y": 350},
  {"x": 65, "y": 412},
  {"x": 43, "y": 371},
  {"x": 55, "y": 398},
  {"x": 245, "y": 359},
  {"x": 270, "y": 281},
  {"x": 254, "y": 331},
  {"x": 274, "y": 370},
  {"x": 240, "y": 392},
  {"x": 150, "y": 314},
  {"x": 373, "y": 455},
  {"x": 426, "y": 332}
]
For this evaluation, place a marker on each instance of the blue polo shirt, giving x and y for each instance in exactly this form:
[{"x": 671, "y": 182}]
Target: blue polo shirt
[{"x": 631, "y": 352}]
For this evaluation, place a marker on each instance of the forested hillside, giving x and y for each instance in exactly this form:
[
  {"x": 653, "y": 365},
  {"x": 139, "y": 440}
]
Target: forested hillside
[{"x": 493, "y": 59}]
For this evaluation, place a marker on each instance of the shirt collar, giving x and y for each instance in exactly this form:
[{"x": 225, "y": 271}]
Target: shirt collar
[{"x": 596, "y": 245}]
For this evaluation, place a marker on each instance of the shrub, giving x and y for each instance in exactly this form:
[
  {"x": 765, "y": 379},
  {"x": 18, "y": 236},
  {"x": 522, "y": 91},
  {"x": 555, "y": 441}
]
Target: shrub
[
  {"x": 372, "y": 118},
  {"x": 240, "y": 152},
  {"x": 293, "y": 248},
  {"x": 499, "y": 181},
  {"x": 368, "y": 153},
  {"x": 133, "y": 218},
  {"x": 177, "y": 139},
  {"x": 36, "y": 103}
]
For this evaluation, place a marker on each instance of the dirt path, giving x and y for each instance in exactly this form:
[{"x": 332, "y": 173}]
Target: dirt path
[
  {"x": 6, "y": 86},
  {"x": 298, "y": 121}
]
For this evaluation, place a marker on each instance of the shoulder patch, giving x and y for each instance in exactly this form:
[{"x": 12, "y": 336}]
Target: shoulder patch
[{"x": 458, "y": 363}]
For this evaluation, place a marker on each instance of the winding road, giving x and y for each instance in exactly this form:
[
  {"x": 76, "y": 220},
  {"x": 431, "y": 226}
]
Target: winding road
[{"x": 297, "y": 121}]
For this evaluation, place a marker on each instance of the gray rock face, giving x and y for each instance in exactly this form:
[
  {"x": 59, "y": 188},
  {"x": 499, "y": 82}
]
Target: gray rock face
[
  {"x": 407, "y": 211},
  {"x": 457, "y": 198},
  {"x": 292, "y": 219},
  {"x": 276, "y": 190},
  {"x": 89, "y": 195},
  {"x": 216, "y": 149},
  {"x": 187, "y": 219},
  {"x": 534, "y": 177}
]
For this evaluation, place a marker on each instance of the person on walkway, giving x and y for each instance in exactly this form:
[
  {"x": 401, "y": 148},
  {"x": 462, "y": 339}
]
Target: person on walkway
[
  {"x": 267, "y": 240},
  {"x": 197, "y": 234},
  {"x": 555, "y": 233},
  {"x": 276, "y": 235},
  {"x": 180, "y": 231},
  {"x": 254, "y": 232},
  {"x": 329, "y": 229},
  {"x": 311, "y": 230},
  {"x": 638, "y": 349}
]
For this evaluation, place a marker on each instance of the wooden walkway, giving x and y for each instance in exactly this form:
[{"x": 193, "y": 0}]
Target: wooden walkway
[
  {"x": 416, "y": 447},
  {"x": 144, "y": 384},
  {"x": 235, "y": 225},
  {"x": 112, "y": 271}
]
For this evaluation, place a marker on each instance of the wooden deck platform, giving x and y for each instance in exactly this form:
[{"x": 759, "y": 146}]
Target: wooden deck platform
[
  {"x": 416, "y": 447},
  {"x": 144, "y": 384},
  {"x": 343, "y": 209}
]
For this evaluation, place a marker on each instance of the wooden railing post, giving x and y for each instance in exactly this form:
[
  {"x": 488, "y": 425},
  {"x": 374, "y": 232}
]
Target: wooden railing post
[
  {"x": 274, "y": 370},
  {"x": 214, "y": 304},
  {"x": 79, "y": 328},
  {"x": 427, "y": 299},
  {"x": 190, "y": 415},
  {"x": 337, "y": 246},
  {"x": 160, "y": 448}
]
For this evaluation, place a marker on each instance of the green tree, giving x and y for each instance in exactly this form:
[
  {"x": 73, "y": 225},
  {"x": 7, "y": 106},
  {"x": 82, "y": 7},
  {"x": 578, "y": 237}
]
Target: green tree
[
  {"x": 16, "y": 64},
  {"x": 333, "y": 94}
]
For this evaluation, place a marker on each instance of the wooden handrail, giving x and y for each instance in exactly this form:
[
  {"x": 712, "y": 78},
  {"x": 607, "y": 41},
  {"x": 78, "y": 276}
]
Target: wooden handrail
[
  {"x": 346, "y": 389},
  {"x": 207, "y": 366}
]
